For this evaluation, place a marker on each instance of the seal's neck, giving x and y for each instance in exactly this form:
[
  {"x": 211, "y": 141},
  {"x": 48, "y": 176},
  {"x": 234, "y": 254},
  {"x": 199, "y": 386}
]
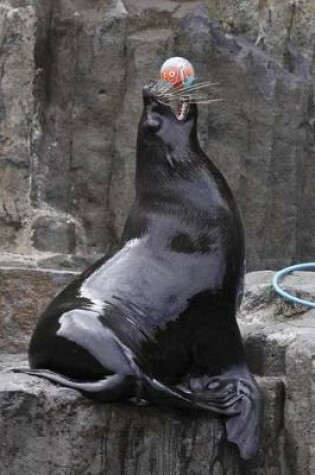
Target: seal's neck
[{"x": 161, "y": 161}]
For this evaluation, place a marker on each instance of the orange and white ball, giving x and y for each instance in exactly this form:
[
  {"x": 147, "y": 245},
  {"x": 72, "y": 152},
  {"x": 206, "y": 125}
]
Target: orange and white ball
[{"x": 178, "y": 72}]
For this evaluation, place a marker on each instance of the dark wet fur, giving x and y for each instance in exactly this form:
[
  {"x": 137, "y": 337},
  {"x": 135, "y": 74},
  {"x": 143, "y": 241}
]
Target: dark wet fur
[{"x": 156, "y": 320}]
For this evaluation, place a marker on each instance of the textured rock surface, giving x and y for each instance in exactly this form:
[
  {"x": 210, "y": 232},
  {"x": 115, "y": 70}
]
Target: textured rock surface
[
  {"x": 24, "y": 294},
  {"x": 258, "y": 131},
  {"x": 70, "y": 101},
  {"x": 54, "y": 235},
  {"x": 50, "y": 430},
  {"x": 17, "y": 109},
  {"x": 277, "y": 26},
  {"x": 285, "y": 345}
]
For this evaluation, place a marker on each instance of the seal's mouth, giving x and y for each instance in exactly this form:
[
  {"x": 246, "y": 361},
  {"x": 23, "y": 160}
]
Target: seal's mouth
[{"x": 181, "y": 110}]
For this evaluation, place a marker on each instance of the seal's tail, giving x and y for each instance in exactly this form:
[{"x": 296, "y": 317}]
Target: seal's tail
[{"x": 112, "y": 388}]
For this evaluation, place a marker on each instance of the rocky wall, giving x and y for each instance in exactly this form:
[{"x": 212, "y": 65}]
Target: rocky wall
[{"x": 70, "y": 101}]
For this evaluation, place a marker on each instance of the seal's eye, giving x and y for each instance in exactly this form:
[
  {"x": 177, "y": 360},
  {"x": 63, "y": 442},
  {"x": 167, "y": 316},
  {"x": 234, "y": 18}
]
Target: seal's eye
[
  {"x": 172, "y": 74},
  {"x": 165, "y": 75}
]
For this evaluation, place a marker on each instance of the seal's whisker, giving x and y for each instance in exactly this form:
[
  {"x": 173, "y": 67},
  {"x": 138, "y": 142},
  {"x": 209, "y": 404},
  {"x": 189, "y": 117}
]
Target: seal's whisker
[
  {"x": 186, "y": 98},
  {"x": 164, "y": 103},
  {"x": 164, "y": 89},
  {"x": 189, "y": 97},
  {"x": 195, "y": 87},
  {"x": 195, "y": 91},
  {"x": 195, "y": 84},
  {"x": 210, "y": 101},
  {"x": 186, "y": 89}
]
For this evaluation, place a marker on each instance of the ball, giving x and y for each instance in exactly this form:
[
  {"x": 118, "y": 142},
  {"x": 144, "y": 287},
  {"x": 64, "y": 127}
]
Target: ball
[{"x": 178, "y": 71}]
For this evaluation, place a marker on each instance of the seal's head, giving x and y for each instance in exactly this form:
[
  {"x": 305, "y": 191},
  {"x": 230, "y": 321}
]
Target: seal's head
[
  {"x": 166, "y": 109},
  {"x": 167, "y": 128}
]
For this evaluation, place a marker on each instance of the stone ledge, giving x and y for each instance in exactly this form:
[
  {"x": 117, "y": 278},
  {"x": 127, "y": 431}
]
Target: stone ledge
[
  {"x": 52, "y": 430},
  {"x": 280, "y": 341}
]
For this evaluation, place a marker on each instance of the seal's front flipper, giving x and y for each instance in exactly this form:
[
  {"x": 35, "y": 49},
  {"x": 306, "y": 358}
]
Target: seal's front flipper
[{"x": 112, "y": 388}]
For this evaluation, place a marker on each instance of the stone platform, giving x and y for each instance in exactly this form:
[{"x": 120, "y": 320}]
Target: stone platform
[{"x": 51, "y": 430}]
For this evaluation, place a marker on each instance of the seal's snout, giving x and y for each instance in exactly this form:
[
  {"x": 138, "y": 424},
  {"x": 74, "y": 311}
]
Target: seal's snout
[{"x": 149, "y": 93}]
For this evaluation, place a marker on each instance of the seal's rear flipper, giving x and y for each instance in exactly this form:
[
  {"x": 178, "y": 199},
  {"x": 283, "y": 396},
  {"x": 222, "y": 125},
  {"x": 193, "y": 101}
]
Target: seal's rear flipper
[
  {"x": 235, "y": 395},
  {"x": 243, "y": 429},
  {"x": 112, "y": 388}
]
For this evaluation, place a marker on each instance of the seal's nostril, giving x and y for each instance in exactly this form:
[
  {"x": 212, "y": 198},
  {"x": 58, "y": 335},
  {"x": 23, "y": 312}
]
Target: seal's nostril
[{"x": 152, "y": 122}]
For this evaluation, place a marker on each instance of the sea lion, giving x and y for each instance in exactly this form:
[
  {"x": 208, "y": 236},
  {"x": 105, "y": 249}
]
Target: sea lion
[{"x": 156, "y": 321}]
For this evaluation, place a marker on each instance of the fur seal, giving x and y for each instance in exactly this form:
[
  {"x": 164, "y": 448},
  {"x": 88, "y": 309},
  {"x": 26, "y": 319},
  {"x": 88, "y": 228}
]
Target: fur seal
[{"x": 156, "y": 321}]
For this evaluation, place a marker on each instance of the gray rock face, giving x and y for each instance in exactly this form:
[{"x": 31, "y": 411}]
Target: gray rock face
[
  {"x": 24, "y": 295},
  {"x": 276, "y": 26},
  {"x": 70, "y": 102},
  {"x": 258, "y": 130},
  {"x": 280, "y": 342},
  {"x": 54, "y": 235},
  {"x": 51, "y": 430},
  {"x": 17, "y": 108}
]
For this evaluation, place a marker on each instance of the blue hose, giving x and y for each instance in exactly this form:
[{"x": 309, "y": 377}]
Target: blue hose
[{"x": 287, "y": 270}]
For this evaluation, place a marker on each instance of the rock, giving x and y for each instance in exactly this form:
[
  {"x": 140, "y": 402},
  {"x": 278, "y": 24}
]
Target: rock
[
  {"x": 192, "y": 39},
  {"x": 300, "y": 404},
  {"x": 54, "y": 235},
  {"x": 17, "y": 260},
  {"x": 85, "y": 92},
  {"x": 273, "y": 24},
  {"x": 73, "y": 262},
  {"x": 24, "y": 294},
  {"x": 146, "y": 51},
  {"x": 277, "y": 345},
  {"x": 261, "y": 304},
  {"x": 48, "y": 429},
  {"x": 270, "y": 459},
  {"x": 17, "y": 40},
  {"x": 73, "y": 432},
  {"x": 256, "y": 139}
]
